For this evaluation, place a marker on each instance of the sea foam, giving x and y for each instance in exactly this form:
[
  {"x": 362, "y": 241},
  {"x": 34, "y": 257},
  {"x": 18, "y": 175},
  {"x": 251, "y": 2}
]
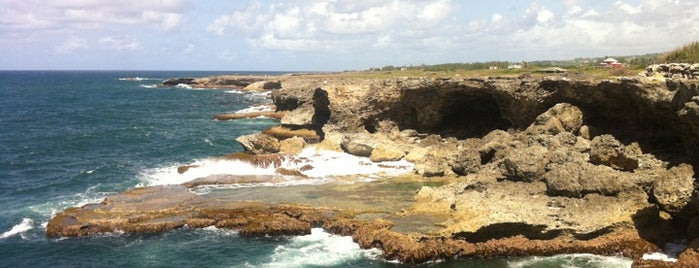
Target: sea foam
[
  {"x": 573, "y": 260},
  {"x": 319, "y": 249},
  {"x": 325, "y": 164},
  {"x": 670, "y": 252},
  {"x": 26, "y": 225}
]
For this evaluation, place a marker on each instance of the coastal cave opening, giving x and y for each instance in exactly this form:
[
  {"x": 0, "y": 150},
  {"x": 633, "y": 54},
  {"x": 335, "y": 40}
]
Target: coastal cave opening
[
  {"x": 629, "y": 124},
  {"x": 470, "y": 116}
]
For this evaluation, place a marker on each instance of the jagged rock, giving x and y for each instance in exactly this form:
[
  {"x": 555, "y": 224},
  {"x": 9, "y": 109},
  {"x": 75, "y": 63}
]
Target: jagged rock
[
  {"x": 283, "y": 133},
  {"x": 183, "y": 169},
  {"x": 561, "y": 117},
  {"x": 417, "y": 154},
  {"x": 301, "y": 117},
  {"x": 177, "y": 81},
  {"x": 526, "y": 164},
  {"x": 673, "y": 191},
  {"x": 608, "y": 151},
  {"x": 575, "y": 179},
  {"x": 259, "y": 143},
  {"x": 429, "y": 169},
  {"x": 292, "y": 145},
  {"x": 289, "y": 172},
  {"x": 466, "y": 162},
  {"x": 690, "y": 256},
  {"x": 386, "y": 153},
  {"x": 496, "y": 146},
  {"x": 357, "y": 145},
  {"x": 263, "y": 85},
  {"x": 235, "y": 116}
]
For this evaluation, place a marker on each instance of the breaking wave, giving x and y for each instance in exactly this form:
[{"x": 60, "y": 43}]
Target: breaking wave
[
  {"x": 26, "y": 225},
  {"x": 319, "y": 165},
  {"x": 319, "y": 249}
]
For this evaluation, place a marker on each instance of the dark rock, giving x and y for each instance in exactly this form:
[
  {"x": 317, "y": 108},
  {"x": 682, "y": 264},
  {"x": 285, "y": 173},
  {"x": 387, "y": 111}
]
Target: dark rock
[
  {"x": 606, "y": 150},
  {"x": 177, "y": 81},
  {"x": 526, "y": 164}
]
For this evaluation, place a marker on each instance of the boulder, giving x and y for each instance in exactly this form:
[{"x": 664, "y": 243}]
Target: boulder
[
  {"x": 386, "y": 153},
  {"x": 466, "y": 162},
  {"x": 561, "y": 117},
  {"x": 263, "y": 85},
  {"x": 573, "y": 179},
  {"x": 690, "y": 256},
  {"x": 259, "y": 143},
  {"x": 357, "y": 147},
  {"x": 292, "y": 145},
  {"x": 608, "y": 151},
  {"x": 429, "y": 169},
  {"x": 673, "y": 190},
  {"x": 417, "y": 154},
  {"x": 301, "y": 116},
  {"x": 526, "y": 164}
]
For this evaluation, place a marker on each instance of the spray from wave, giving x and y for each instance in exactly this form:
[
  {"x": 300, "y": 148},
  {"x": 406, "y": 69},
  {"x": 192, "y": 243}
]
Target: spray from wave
[
  {"x": 317, "y": 165},
  {"x": 319, "y": 249},
  {"x": 26, "y": 225},
  {"x": 573, "y": 260}
]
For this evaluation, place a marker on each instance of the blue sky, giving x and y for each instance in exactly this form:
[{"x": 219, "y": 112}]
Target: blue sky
[{"x": 329, "y": 35}]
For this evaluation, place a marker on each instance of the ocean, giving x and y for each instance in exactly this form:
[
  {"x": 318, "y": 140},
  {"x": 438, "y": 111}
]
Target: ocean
[{"x": 69, "y": 138}]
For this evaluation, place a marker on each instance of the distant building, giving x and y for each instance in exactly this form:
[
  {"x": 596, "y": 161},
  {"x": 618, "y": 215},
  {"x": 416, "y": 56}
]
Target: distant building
[
  {"x": 515, "y": 66},
  {"x": 611, "y": 63},
  {"x": 493, "y": 68}
]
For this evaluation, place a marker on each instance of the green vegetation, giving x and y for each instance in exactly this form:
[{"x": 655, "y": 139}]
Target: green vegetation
[
  {"x": 578, "y": 66},
  {"x": 688, "y": 53}
]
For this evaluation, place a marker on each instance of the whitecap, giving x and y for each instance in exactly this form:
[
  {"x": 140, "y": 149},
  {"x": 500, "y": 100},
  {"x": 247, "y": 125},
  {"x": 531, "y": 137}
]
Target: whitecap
[
  {"x": 26, "y": 225},
  {"x": 90, "y": 196},
  {"x": 185, "y": 86},
  {"x": 319, "y": 249},
  {"x": 235, "y": 91},
  {"x": 573, "y": 260},
  {"x": 257, "y": 108},
  {"x": 149, "y": 86},
  {"x": 133, "y": 78}
]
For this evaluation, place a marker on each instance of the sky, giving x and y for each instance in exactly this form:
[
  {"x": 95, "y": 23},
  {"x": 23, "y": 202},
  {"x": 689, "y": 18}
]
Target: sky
[{"x": 330, "y": 35}]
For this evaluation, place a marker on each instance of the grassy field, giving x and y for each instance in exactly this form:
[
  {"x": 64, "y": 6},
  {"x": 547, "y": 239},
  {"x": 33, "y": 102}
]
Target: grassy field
[{"x": 530, "y": 71}]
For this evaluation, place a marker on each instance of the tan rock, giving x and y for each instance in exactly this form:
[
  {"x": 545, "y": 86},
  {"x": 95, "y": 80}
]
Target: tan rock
[
  {"x": 561, "y": 117},
  {"x": 292, "y": 146},
  {"x": 386, "y": 153},
  {"x": 417, "y": 154},
  {"x": 608, "y": 151},
  {"x": 259, "y": 143},
  {"x": 674, "y": 189}
]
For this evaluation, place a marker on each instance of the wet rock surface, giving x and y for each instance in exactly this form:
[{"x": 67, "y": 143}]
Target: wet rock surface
[{"x": 538, "y": 166}]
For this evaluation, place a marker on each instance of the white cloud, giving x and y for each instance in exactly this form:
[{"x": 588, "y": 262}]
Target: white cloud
[
  {"x": 496, "y": 18},
  {"x": 544, "y": 16},
  {"x": 72, "y": 45},
  {"x": 334, "y": 25},
  {"x": 121, "y": 42},
  {"x": 88, "y": 14},
  {"x": 590, "y": 13},
  {"x": 627, "y": 8},
  {"x": 248, "y": 21}
]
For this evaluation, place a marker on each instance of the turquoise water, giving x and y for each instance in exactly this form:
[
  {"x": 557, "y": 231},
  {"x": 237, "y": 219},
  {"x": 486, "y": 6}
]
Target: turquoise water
[{"x": 71, "y": 138}]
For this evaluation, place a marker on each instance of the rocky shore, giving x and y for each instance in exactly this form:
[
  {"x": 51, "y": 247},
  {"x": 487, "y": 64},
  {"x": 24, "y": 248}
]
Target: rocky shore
[{"x": 536, "y": 165}]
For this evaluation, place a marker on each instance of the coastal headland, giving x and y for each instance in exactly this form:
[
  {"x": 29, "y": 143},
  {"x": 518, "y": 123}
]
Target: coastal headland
[{"x": 525, "y": 165}]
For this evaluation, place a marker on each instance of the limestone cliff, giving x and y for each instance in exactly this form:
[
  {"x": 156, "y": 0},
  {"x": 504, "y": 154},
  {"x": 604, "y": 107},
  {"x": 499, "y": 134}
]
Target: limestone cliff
[{"x": 540, "y": 165}]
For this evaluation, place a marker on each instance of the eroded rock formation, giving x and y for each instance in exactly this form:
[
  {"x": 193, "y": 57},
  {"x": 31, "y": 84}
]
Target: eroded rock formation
[{"x": 541, "y": 166}]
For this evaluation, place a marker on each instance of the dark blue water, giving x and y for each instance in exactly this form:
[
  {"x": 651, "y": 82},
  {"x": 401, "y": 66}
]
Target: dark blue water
[{"x": 71, "y": 138}]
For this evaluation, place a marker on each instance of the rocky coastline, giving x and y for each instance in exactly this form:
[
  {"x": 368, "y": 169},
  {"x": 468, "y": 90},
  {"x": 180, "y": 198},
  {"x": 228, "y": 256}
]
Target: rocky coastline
[{"x": 536, "y": 166}]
